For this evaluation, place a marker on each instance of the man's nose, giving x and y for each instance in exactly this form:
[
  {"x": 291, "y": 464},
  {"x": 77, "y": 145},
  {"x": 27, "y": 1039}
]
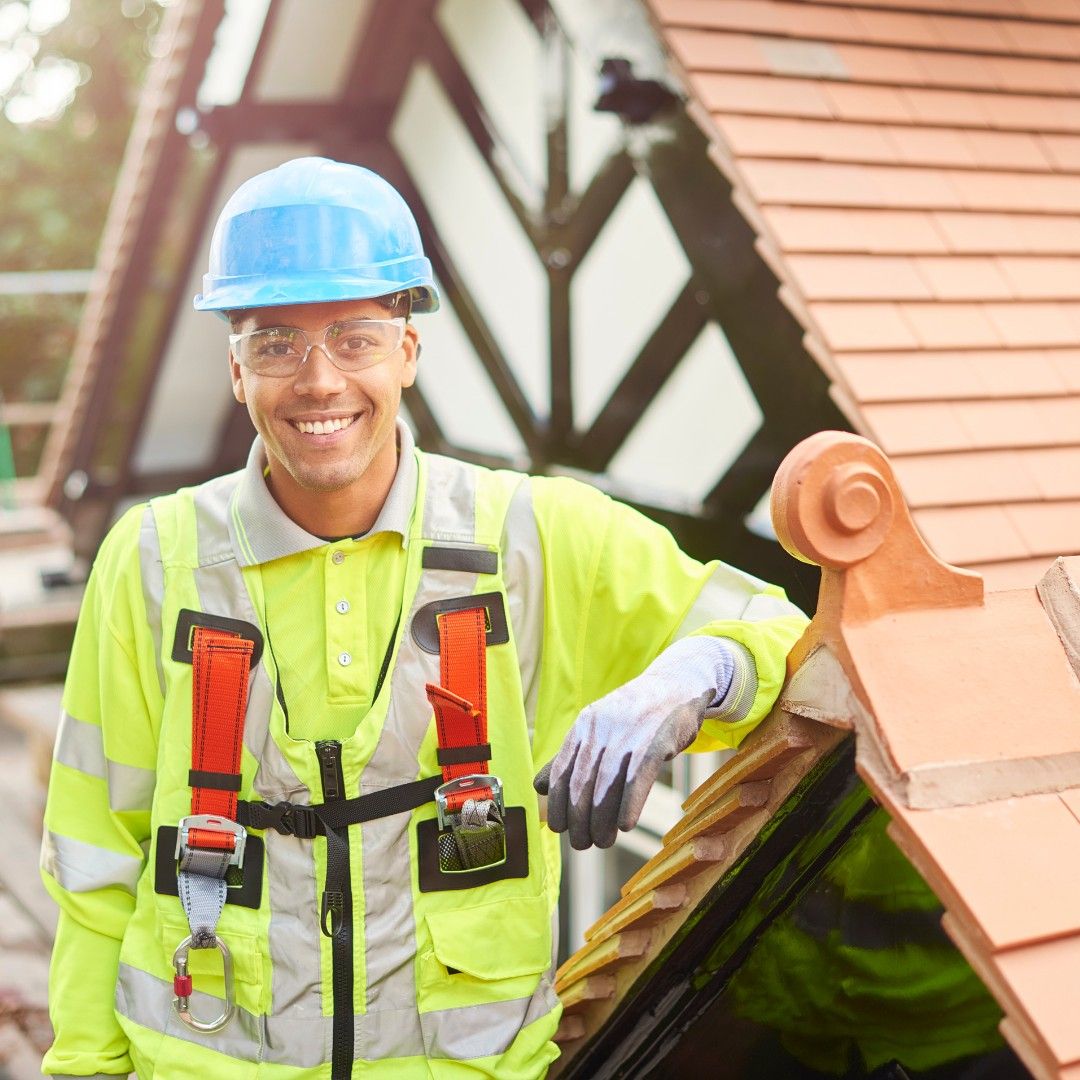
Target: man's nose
[{"x": 317, "y": 376}]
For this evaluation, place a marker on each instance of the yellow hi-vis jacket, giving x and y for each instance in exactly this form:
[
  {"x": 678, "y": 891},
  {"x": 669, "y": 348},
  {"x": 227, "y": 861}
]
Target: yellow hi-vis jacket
[{"x": 432, "y": 982}]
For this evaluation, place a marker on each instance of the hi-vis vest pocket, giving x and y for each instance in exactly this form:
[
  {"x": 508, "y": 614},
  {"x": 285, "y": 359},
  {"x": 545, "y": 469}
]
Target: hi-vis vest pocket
[
  {"x": 485, "y": 952},
  {"x": 478, "y": 974},
  {"x": 205, "y": 965}
]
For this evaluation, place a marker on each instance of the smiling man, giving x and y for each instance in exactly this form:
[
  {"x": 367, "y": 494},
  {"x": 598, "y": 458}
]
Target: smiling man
[{"x": 293, "y": 825}]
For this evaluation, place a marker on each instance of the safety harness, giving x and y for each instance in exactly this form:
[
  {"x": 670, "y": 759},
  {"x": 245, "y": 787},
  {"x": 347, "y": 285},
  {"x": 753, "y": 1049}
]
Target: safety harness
[{"x": 211, "y": 841}]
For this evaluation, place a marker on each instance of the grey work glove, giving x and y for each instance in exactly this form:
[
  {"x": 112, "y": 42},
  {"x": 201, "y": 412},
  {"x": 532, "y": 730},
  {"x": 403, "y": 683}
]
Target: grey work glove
[{"x": 600, "y": 778}]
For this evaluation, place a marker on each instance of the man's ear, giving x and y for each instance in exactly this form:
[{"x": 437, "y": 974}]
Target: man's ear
[
  {"x": 411, "y": 345},
  {"x": 237, "y": 380}
]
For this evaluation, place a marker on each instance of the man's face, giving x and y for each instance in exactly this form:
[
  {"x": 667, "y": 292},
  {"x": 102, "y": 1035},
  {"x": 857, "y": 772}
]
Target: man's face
[{"x": 367, "y": 401}]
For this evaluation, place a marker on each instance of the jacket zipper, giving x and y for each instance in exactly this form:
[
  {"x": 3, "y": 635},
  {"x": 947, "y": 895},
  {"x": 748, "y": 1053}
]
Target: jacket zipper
[{"x": 337, "y": 905}]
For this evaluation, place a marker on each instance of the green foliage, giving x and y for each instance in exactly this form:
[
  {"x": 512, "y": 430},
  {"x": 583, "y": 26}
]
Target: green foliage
[
  {"x": 58, "y": 174},
  {"x": 68, "y": 91}
]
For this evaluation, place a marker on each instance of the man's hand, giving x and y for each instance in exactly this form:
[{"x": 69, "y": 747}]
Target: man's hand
[{"x": 599, "y": 780}]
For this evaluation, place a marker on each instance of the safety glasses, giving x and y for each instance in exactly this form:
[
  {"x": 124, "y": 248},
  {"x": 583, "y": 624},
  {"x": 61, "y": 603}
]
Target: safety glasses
[{"x": 351, "y": 345}]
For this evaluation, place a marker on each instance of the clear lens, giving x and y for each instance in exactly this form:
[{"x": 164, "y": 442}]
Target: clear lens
[{"x": 351, "y": 346}]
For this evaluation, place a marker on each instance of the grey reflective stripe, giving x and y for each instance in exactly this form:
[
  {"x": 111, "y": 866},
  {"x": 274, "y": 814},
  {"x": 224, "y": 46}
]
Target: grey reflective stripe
[
  {"x": 727, "y": 594},
  {"x": 766, "y": 606},
  {"x": 79, "y": 746},
  {"x": 152, "y": 574},
  {"x": 739, "y": 699},
  {"x": 462, "y": 1034},
  {"x": 449, "y": 501},
  {"x": 523, "y": 574},
  {"x": 300, "y": 1041},
  {"x": 293, "y": 934},
  {"x": 81, "y": 867},
  {"x": 480, "y": 1031}
]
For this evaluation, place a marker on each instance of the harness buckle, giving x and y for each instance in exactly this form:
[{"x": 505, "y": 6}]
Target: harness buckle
[
  {"x": 215, "y": 824},
  {"x": 182, "y": 988},
  {"x": 472, "y": 832},
  {"x": 466, "y": 787}
]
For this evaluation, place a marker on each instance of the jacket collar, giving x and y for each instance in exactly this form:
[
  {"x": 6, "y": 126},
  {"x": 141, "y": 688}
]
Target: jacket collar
[{"x": 268, "y": 533}]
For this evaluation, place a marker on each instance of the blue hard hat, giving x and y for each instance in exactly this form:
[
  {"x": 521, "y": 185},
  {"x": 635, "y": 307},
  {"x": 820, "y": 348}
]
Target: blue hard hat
[{"x": 314, "y": 230}]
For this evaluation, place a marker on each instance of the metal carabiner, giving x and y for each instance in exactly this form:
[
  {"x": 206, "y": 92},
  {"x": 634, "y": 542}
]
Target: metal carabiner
[{"x": 182, "y": 988}]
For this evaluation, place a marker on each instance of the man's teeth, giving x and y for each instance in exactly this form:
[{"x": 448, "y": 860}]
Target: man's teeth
[{"x": 323, "y": 427}]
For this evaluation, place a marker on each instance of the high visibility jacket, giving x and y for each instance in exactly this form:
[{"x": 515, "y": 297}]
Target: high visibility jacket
[
  {"x": 438, "y": 982},
  {"x": 861, "y": 970}
]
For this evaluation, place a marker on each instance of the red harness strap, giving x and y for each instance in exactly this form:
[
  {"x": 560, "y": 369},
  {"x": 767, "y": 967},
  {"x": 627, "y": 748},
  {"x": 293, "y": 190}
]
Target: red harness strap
[
  {"x": 460, "y": 703},
  {"x": 221, "y": 663}
]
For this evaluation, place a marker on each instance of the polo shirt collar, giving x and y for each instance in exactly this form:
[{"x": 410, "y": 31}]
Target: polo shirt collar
[{"x": 262, "y": 531}]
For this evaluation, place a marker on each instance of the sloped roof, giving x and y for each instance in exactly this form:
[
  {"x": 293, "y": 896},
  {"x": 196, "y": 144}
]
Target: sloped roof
[
  {"x": 911, "y": 170},
  {"x": 964, "y": 706}
]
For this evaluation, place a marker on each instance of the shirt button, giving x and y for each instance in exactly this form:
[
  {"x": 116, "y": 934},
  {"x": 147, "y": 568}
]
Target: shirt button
[
  {"x": 342, "y": 607},
  {"x": 344, "y": 659},
  {"x": 338, "y": 557}
]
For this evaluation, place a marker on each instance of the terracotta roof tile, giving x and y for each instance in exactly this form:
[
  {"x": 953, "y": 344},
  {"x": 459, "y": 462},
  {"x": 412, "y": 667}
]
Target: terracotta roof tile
[
  {"x": 956, "y": 107},
  {"x": 1056, "y": 471},
  {"x": 931, "y": 146},
  {"x": 1067, "y": 363},
  {"x": 954, "y": 70},
  {"x": 1045, "y": 980},
  {"x": 916, "y": 428},
  {"x": 981, "y": 190},
  {"x": 858, "y": 277},
  {"x": 1042, "y": 38},
  {"x": 761, "y": 94},
  {"x": 711, "y": 51},
  {"x": 966, "y": 33},
  {"x": 1030, "y": 76},
  {"x": 1050, "y": 235},
  {"x": 863, "y": 326},
  {"x": 963, "y": 278},
  {"x": 816, "y": 59},
  {"x": 1019, "y": 373},
  {"x": 1048, "y": 528},
  {"x": 857, "y": 101},
  {"x": 824, "y": 140},
  {"x": 956, "y": 376},
  {"x": 881, "y": 231},
  {"x": 911, "y": 376},
  {"x": 959, "y": 479},
  {"x": 950, "y": 326},
  {"x": 969, "y": 233},
  {"x": 1006, "y": 150},
  {"x": 1010, "y": 422},
  {"x": 1035, "y": 278},
  {"x": 1063, "y": 151},
  {"x": 1027, "y": 324},
  {"x": 975, "y": 842},
  {"x": 812, "y": 184},
  {"x": 1031, "y": 112},
  {"x": 901, "y": 28},
  {"x": 971, "y": 534},
  {"x": 884, "y": 65},
  {"x": 1016, "y": 574}
]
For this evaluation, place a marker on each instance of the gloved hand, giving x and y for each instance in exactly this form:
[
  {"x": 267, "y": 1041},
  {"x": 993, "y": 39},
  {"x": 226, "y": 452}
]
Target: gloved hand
[{"x": 600, "y": 778}]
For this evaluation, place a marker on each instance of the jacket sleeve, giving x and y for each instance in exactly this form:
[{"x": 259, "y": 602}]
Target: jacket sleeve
[
  {"x": 618, "y": 591},
  {"x": 97, "y": 817}
]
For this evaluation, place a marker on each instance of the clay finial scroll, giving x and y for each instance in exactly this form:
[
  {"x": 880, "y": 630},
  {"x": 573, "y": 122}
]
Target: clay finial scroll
[{"x": 836, "y": 503}]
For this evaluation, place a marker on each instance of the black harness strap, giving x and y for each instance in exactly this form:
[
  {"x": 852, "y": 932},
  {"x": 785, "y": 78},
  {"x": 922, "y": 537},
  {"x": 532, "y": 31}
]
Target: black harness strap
[{"x": 306, "y": 822}]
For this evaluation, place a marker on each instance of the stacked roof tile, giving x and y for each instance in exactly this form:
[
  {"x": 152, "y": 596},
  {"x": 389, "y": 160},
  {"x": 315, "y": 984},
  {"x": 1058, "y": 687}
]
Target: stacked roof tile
[
  {"x": 913, "y": 172},
  {"x": 979, "y": 772}
]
